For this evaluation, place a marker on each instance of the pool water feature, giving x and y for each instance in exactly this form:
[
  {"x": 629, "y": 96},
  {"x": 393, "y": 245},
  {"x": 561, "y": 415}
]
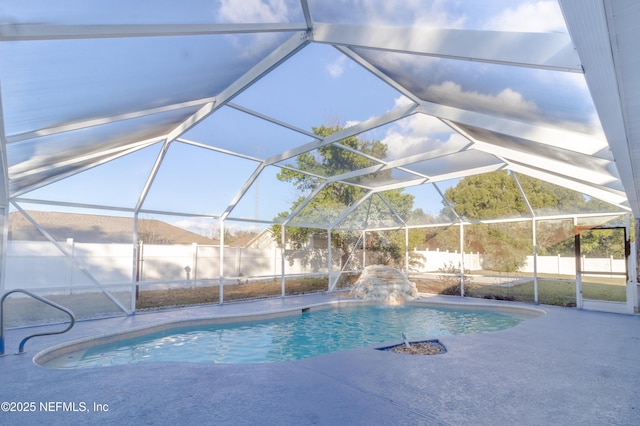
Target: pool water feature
[{"x": 308, "y": 333}]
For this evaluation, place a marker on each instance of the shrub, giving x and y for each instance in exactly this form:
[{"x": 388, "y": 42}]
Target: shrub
[{"x": 450, "y": 276}]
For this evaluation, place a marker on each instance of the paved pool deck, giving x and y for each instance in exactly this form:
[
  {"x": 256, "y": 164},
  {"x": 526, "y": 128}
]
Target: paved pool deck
[{"x": 567, "y": 367}]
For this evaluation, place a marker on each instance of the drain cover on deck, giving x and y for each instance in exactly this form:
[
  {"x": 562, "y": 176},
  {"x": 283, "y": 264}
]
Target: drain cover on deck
[{"x": 425, "y": 347}]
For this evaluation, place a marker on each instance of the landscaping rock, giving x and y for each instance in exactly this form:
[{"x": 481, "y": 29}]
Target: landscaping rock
[{"x": 384, "y": 284}]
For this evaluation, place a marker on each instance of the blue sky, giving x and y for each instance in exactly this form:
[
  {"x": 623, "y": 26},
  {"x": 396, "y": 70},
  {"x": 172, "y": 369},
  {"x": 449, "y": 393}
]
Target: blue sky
[
  {"x": 328, "y": 88},
  {"x": 316, "y": 86},
  {"x": 310, "y": 80}
]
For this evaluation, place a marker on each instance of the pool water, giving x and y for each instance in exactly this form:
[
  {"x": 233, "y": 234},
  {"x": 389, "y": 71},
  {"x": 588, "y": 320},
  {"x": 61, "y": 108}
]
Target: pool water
[{"x": 304, "y": 335}]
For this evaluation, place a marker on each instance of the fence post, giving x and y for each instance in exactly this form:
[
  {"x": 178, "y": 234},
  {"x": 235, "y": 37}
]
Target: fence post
[
  {"x": 610, "y": 266},
  {"x": 194, "y": 262},
  {"x": 71, "y": 248}
]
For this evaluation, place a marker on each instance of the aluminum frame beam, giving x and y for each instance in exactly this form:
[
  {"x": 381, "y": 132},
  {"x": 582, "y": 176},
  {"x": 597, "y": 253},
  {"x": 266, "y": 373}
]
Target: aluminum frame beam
[
  {"x": 596, "y": 175},
  {"x": 545, "y": 135},
  {"x": 23, "y": 32},
  {"x": 78, "y": 125},
  {"x": 617, "y": 198},
  {"x": 115, "y": 154},
  {"x": 589, "y": 26},
  {"x": 553, "y": 51},
  {"x": 363, "y": 126},
  {"x": 72, "y": 259},
  {"x": 275, "y": 58},
  {"x": 290, "y": 47}
]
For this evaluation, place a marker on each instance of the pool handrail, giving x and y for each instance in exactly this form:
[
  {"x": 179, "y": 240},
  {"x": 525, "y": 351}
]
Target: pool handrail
[{"x": 43, "y": 300}]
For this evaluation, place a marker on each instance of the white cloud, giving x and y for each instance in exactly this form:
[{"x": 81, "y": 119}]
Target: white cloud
[
  {"x": 210, "y": 228},
  {"x": 420, "y": 133},
  {"x": 256, "y": 44},
  {"x": 402, "y": 101},
  {"x": 535, "y": 16},
  {"x": 202, "y": 226},
  {"x": 559, "y": 79},
  {"x": 336, "y": 68},
  {"x": 508, "y": 102},
  {"x": 595, "y": 127},
  {"x": 252, "y": 11},
  {"x": 255, "y": 11},
  {"x": 435, "y": 15}
]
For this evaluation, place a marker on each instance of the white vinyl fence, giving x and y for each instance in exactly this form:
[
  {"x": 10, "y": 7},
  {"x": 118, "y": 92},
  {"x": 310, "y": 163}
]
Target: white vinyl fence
[
  {"x": 558, "y": 265},
  {"x": 41, "y": 265}
]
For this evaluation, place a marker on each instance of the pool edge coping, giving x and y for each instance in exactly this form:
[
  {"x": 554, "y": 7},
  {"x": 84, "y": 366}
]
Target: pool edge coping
[{"x": 56, "y": 351}]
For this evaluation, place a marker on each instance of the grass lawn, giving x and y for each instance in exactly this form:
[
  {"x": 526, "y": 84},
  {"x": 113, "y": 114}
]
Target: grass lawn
[
  {"x": 245, "y": 291},
  {"x": 25, "y": 311},
  {"x": 20, "y": 311},
  {"x": 550, "y": 291}
]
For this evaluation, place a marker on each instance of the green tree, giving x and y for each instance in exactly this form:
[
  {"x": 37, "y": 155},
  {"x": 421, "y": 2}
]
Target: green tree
[
  {"x": 496, "y": 195},
  {"x": 593, "y": 243},
  {"x": 476, "y": 197},
  {"x": 330, "y": 160},
  {"x": 505, "y": 246}
]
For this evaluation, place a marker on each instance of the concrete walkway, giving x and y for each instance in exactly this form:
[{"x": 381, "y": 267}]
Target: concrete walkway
[{"x": 567, "y": 367}]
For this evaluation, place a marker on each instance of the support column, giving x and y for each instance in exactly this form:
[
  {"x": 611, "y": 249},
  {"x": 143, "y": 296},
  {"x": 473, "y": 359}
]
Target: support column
[
  {"x": 137, "y": 264},
  {"x": 329, "y": 258},
  {"x": 535, "y": 262},
  {"x": 406, "y": 251},
  {"x": 283, "y": 254},
  {"x": 364, "y": 249},
  {"x": 194, "y": 263},
  {"x": 461, "y": 259},
  {"x": 633, "y": 296},
  {"x": 576, "y": 238},
  {"x": 221, "y": 296},
  {"x": 637, "y": 250},
  {"x": 4, "y": 216}
]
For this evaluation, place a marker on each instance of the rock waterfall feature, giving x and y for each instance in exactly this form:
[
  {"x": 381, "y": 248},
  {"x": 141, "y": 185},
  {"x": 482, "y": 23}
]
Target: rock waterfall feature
[{"x": 384, "y": 284}]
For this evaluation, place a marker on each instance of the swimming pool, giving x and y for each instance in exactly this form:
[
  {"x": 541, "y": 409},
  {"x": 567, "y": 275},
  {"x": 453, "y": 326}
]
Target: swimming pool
[{"x": 305, "y": 334}]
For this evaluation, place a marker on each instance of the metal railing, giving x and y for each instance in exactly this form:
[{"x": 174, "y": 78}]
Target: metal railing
[{"x": 43, "y": 300}]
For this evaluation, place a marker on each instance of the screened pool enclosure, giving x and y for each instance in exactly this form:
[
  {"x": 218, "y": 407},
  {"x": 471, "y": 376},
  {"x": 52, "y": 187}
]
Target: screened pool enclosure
[{"x": 208, "y": 151}]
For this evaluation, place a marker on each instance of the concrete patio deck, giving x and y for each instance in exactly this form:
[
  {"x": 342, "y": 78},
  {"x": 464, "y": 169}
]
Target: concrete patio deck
[{"x": 564, "y": 368}]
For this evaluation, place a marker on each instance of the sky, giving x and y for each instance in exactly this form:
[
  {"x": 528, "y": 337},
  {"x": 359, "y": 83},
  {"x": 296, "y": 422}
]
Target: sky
[{"x": 317, "y": 86}]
